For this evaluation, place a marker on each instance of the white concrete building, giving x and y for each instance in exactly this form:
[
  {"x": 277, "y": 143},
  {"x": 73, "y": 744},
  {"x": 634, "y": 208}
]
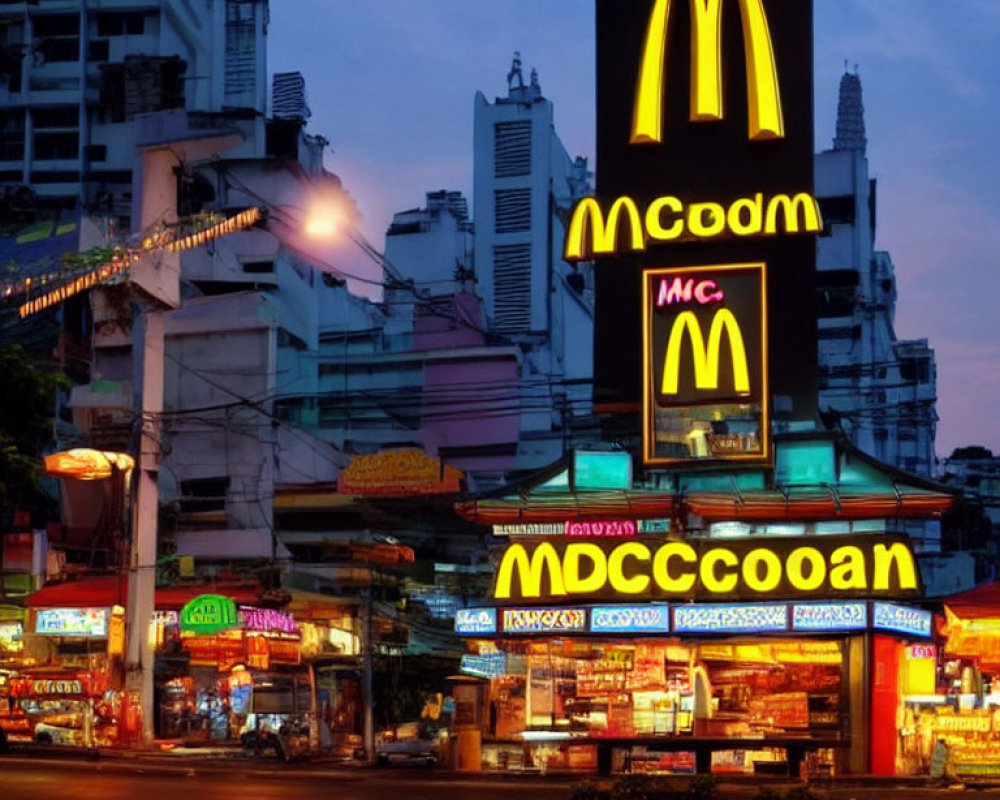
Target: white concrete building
[
  {"x": 879, "y": 389},
  {"x": 524, "y": 187},
  {"x": 74, "y": 72}
]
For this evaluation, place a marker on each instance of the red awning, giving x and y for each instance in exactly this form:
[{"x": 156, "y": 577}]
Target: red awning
[
  {"x": 981, "y": 602},
  {"x": 103, "y": 592},
  {"x": 761, "y": 505}
]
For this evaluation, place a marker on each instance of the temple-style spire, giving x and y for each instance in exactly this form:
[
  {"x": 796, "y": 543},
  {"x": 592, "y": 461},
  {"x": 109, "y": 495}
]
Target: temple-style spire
[
  {"x": 517, "y": 90},
  {"x": 850, "y": 114}
]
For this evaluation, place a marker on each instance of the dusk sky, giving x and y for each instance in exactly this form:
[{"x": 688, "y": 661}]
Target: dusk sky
[{"x": 391, "y": 85}]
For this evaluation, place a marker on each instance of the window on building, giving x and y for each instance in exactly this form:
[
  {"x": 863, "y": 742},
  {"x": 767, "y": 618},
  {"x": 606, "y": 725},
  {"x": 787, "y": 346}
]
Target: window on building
[
  {"x": 53, "y": 146},
  {"x": 915, "y": 369},
  {"x": 204, "y": 494},
  {"x": 12, "y": 135},
  {"x": 11, "y": 59},
  {"x": 512, "y": 288},
  {"x": 57, "y": 37},
  {"x": 241, "y": 49},
  {"x": 98, "y": 50},
  {"x": 512, "y": 210},
  {"x": 57, "y": 117},
  {"x": 112, "y": 92},
  {"x": 837, "y": 209},
  {"x": 512, "y": 149},
  {"x": 121, "y": 24}
]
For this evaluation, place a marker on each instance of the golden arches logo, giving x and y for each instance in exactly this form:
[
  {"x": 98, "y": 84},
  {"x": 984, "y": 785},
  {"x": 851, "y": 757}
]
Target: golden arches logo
[
  {"x": 764, "y": 113},
  {"x": 706, "y": 357}
]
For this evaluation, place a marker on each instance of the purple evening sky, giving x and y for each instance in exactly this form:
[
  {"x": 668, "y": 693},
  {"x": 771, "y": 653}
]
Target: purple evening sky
[{"x": 391, "y": 85}]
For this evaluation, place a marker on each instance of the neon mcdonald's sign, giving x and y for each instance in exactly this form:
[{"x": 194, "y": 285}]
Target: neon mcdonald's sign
[
  {"x": 764, "y": 113},
  {"x": 705, "y": 396},
  {"x": 706, "y": 356}
]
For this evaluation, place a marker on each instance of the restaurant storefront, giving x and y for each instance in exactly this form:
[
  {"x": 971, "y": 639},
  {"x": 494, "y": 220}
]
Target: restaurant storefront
[{"x": 735, "y": 688}]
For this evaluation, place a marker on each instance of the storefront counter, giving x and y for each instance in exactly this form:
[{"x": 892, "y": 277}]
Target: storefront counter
[{"x": 681, "y": 754}]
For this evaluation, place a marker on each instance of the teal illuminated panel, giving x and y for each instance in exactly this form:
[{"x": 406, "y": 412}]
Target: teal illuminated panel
[
  {"x": 599, "y": 469},
  {"x": 808, "y": 463}
]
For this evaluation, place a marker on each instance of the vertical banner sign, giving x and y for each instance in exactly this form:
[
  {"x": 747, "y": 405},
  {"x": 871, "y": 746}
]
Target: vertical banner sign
[
  {"x": 704, "y": 158},
  {"x": 705, "y": 364}
]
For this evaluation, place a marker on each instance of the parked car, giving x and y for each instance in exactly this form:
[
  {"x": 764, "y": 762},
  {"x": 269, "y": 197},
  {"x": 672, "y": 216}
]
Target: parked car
[{"x": 408, "y": 743}]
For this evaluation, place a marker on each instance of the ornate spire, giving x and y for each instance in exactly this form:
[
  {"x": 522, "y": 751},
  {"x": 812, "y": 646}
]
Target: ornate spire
[{"x": 850, "y": 114}]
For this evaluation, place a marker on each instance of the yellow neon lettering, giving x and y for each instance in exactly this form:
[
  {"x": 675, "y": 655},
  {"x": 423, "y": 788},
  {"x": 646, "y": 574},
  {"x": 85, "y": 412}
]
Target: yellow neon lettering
[
  {"x": 661, "y": 567},
  {"x": 847, "y": 568},
  {"x": 755, "y": 221},
  {"x": 654, "y": 214},
  {"x": 706, "y": 359},
  {"x": 587, "y": 214},
  {"x": 647, "y": 114},
  {"x": 529, "y": 571},
  {"x": 765, "y": 120},
  {"x": 709, "y": 579},
  {"x": 616, "y": 575},
  {"x": 598, "y": 576},
  {"x": 706, "y": 60},
  {"x": 790, "y": 206},
  {"x": 817, "y": 568},
  {"x": 706, "y": 219},
  {"x": 900, "y": 555},
  {"x": 764, "y": 114},
  {"x": 751, "y": 570}
]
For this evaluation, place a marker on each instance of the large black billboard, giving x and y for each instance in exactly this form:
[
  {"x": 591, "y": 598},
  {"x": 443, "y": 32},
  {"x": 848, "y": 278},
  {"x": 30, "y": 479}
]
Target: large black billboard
[{"x": 698, "y": 165}]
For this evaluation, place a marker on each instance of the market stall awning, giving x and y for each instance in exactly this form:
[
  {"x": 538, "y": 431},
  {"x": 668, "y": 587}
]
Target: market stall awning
[
  {"x": 103, "y": 592},
  {"x": 982, "y": 601},
  {"x": 972, "y": 625}
]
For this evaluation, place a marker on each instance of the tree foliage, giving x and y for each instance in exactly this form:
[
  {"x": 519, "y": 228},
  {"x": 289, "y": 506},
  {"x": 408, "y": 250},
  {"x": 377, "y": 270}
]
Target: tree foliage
[{"x": 27, "y": 401}]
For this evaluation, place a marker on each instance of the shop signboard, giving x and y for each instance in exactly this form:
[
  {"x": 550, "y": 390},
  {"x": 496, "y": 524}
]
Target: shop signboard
[
  {"x": 269, "y": 621},
  {"x": 486, "y": 665},
  {"x": 902, "y": 619},
  {"x": 11, "y": 637},
  {"x": 705, "y": 364},
  {"x": 723, "y": 618},
  {"x": 641, "y": 569},
  {"x": 544, "y": 620},
  {"x": 829, "y": 616},
  {"x": 90, "y": 623},
  {"x": 207, "y": 614},
  {"x": 476, "y": 620},
  {"x": 629, "y": 619},
  {"x": 405, "y": 471}
]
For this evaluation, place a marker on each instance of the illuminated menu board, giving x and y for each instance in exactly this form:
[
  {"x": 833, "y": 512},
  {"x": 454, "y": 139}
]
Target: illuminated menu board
[
  {"x": 476, "y": 620},
  {"x": 892, "y": 617},
  {"x": 544, "y": 620},
  {"x": 626, "y": 619},
  {"x": 730, "y": 618},
  {"x": 86, "y": 622},
  {"x": 829, "y": 616}
]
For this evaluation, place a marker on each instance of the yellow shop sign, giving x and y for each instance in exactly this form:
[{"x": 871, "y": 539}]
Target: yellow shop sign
[{"x": 650, "y": 569}]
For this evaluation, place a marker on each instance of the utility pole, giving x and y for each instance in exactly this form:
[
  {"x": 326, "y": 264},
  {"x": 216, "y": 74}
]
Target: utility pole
[
  {"x": 164, "y": 142},
  {"x": 367, "y": 669}
]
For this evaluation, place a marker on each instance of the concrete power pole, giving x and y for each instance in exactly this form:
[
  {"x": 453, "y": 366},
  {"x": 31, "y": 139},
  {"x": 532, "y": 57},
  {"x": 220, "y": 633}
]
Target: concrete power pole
[{"x": 165, "y": 141}]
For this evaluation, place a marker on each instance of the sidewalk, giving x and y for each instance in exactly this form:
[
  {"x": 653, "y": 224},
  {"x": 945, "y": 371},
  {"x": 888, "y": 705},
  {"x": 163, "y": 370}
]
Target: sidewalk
[{"x": 179, "y": 758}]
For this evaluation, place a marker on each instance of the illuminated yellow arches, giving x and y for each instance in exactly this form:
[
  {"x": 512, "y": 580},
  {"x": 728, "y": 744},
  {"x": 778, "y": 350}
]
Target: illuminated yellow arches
[
  {"x": 668, "y": 219},
  {"x": 706, "y": 358},
  {"x": 764, "y": 113}
]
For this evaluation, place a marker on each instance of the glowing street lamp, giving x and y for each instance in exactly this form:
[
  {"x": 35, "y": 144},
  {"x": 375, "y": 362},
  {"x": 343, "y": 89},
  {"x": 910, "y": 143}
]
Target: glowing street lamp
[{"x": 86, "y": 464}]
